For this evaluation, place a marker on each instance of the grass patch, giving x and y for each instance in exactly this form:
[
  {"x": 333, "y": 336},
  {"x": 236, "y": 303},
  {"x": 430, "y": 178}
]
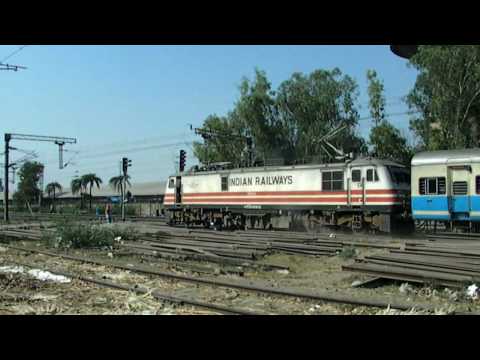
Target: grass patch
[
  {"x": 69, "y": 235},
  {"x": 348, "y": 252}
]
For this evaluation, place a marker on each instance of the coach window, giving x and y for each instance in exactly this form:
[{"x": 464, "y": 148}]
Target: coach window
[
  {"x": 332, "y": 180},
  {"x": 356, "y": 175},
  {"x": 442, "y": 189},
  {"x": 477, "y": 184},
  {"x": 171, "y": 184},
  {"x": 432, "y": 186},
  {"x": 224, "y": 183},
  {"x": 460, "y": 188}
]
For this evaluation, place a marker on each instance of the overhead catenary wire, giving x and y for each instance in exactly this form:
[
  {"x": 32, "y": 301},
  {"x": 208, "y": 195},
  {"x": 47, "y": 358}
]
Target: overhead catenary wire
[
  {"x": 123, "y": 144},
  {"x": 121, "y": 152},
  {"x": 390, "y": 115},
  {"x": 13, "y": 53},
  {"x": 81, "y": 154},
  {"x": 398, "y": 100},
  {"x": 94, "y": 153},
  {"x": 140, "y": 168}
]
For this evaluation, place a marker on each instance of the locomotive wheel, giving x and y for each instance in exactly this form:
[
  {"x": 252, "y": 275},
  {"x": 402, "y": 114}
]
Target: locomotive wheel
[
  {"x": 356, "y": 229},
  {"x": 312, "y": 225}
]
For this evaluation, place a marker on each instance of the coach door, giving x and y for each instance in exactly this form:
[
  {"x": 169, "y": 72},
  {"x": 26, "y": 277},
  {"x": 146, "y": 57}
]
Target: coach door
[
  {"x": 460, "y": 191},
  {"x": 178, "y": 190}
]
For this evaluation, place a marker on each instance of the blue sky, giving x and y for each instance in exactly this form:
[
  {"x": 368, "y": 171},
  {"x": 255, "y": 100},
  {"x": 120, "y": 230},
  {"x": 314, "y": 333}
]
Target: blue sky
[{"x": 137, "y": 101}]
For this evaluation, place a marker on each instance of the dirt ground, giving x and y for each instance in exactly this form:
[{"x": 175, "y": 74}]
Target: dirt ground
[{"x": 20, "y": 293}]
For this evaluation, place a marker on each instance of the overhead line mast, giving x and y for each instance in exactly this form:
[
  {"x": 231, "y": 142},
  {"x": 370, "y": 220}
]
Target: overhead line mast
[
  {"x": 208, "y": 134},
  {"x": 8, "y": 67},
  {"x": 60, "y": 141}
]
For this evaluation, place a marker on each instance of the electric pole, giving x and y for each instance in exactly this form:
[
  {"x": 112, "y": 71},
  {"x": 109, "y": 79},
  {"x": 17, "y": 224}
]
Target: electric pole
[
  {"x": 7, "y": 141},
  {"x": 7, "y": 169},
  {"x": 60, "y": 141}
]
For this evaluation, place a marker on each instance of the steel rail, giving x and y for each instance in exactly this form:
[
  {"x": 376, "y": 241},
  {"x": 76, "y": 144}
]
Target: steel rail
[
  {"x": 140, "y": 290},
  {"x": 348, "y": 300},
  {"x": 407, "y": 274}
]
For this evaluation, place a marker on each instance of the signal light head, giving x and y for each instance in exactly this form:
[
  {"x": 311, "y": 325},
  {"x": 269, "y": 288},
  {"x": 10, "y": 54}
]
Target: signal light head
[{"x": 183, "y": 158}]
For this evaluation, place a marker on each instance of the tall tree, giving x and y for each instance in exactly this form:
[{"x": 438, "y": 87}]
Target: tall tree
[
  {"x": 310, "y": 106},
  {"x": 256, "y": 111},
  {"x": 388, "y": 143},
  {"x": 51, "y": 189},
  {"x": 386, "y": 140},
  {"x": 77, "y": 187},
  {"x": 226, "y": 147},
  {"x": 287, "y": 123},
  {"x": 117, "y": 183},
  {"x": 89, "y": 180},
  {"x": 28, "y": 190},
  {"x": 446, "y": 96},
  {"x": 376, "y": 97}
]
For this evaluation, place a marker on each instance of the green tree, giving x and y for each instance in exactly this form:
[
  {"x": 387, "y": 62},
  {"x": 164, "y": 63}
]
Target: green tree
[
  {"x": 28, "y": 190},
  {"x": 256, "y": 110},
  {"x": 89, "y": 180},
  {"x": 388, "y": 143},
  {"x": 51, "y": 189},
  {"x": 376, "y": 97},
  {"x": 446, "y": 96},
  {"x": 286, "y": 123},
  {"x": 310, "y": 106},
  {"x": 385, "y": 140},
  {"x": 117, "y": 182},
  {"x": 222, "y": 148},
  {"x": 77, "y": 187}
]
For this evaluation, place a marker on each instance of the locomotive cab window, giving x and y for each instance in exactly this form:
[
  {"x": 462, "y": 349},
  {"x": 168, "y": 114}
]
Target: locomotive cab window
[
  {"x": 356, "y": 175},
  {"x": 372, "y": 175},
  {"x": 224, "y": 183},
  {"x": 399, "y": 175},
  {"x": 171, "y": 183},
  {"x": 332, "y": 180}
]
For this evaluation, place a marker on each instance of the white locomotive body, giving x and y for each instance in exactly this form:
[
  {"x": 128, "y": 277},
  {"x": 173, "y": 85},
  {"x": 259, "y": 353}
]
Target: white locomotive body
[{"x": 363, "y": 192}]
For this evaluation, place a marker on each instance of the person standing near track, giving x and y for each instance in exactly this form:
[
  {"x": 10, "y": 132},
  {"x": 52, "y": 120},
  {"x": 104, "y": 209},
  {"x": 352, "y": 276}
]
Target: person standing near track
[{"x": 108, "y": 213}]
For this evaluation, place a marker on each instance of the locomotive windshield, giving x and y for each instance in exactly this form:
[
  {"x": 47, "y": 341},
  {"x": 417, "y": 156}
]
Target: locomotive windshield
[{"x": 399, "y": 175}]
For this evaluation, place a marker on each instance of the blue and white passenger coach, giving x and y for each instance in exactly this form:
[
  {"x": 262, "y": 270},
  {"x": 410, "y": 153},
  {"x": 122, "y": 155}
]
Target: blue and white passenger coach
[{"x": 446, "y": 187}]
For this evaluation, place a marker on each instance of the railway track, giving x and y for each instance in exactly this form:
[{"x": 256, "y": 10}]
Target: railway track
[
  {"x": 436, "y": 262},
  {"x": 140, "y": 290},
  {"x": 251, "y": 287},
  {"x": 432, "y": 260}
]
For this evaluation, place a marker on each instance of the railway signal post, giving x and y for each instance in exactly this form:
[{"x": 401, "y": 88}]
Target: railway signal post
[
  {"x": 126, "y": 163},
  {"x": 183, "y": 160}
]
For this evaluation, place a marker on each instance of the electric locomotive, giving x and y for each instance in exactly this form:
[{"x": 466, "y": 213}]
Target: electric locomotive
[{"x": 365, "y": 193}]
